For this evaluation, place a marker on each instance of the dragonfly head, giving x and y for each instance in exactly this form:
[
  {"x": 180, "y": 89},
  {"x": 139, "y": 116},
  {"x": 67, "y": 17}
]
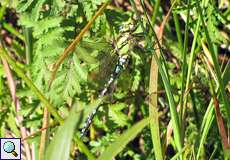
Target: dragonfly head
[{"x": 126, "y": 28}]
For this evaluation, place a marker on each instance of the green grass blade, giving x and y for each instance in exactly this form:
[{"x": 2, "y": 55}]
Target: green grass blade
[
  {"x": 28, "y": 44},
  {"x": 12, "y": 30},
  {"x": 207, "y": 125},
  {"x": 185, "y": 48},
  {"x": 178, "y": 154},
  {"x": 153, "y": 112},
  {"x": 184, "y": 67},
  {"x": 209, "y": 115},
  {"x": 65, "y": 134},
  {"x": 2, "y": 10},
  {"x": 172, "y": 104},
  {"x": 155, "y": 11},
  {"x": 162, "y": 70},
  {"x": 178, "y": 31},
  {"x": 123, "y": 140},
  {"x": 83, "y": 148},
  {"x": 59, "y": 148},
  {"x": 192, "y": 53}
]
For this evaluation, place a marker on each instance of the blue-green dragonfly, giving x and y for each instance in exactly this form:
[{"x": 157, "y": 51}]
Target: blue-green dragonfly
[{"x": 122, "y": 48}]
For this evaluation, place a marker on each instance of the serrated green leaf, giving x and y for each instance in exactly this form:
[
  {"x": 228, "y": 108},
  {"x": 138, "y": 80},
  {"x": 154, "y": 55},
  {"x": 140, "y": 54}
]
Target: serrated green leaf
[
  {"x": 45, "y": 24},
  {"x": 23, "y": 5},
  {"x": 79, "y": 69},
  {"x": 72, "y": 83},
  {"x": 50, "y": 37},
  {"x": 84, "y": 55},
  {"x": 25, "y": 20},
  {"x": 12, "y": 124},
  {"x": 116, "y": 114},
  {"x": 36, "y": 10}
]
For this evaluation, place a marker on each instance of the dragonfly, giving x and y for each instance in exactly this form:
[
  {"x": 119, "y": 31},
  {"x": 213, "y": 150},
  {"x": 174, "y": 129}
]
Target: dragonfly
[{"x": 123, "y": 47}]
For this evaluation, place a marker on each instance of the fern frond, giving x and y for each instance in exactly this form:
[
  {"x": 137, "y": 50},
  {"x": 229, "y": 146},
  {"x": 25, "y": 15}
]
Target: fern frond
[{"x": 45, "y": 24}]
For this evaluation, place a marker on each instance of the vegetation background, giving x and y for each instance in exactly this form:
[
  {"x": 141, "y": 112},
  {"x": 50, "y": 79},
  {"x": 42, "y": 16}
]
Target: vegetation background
[{"x": 171, "y": 101}]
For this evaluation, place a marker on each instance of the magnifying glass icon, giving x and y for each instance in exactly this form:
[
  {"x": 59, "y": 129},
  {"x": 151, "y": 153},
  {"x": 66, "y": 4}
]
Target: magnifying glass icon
[{"x": 9, "y": 147}]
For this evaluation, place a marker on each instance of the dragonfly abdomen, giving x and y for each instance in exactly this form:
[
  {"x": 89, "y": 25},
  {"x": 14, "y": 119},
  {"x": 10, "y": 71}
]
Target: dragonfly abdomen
[{"x": 122, "y": 60}]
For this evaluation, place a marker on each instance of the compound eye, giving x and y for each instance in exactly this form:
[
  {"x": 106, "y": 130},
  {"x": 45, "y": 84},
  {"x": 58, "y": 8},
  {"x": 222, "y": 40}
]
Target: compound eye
[{"x": 122, "y": 29}]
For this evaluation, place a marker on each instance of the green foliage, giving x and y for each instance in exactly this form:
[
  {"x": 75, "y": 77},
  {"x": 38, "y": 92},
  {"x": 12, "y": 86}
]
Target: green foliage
[
  {"x": 52, "y": 35},
  {"x": 44, "y": 30},
  {"x": 116, "y": 114},
  {"x": 214, "y": 19},
  {"x": 118, "y": 145}
]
